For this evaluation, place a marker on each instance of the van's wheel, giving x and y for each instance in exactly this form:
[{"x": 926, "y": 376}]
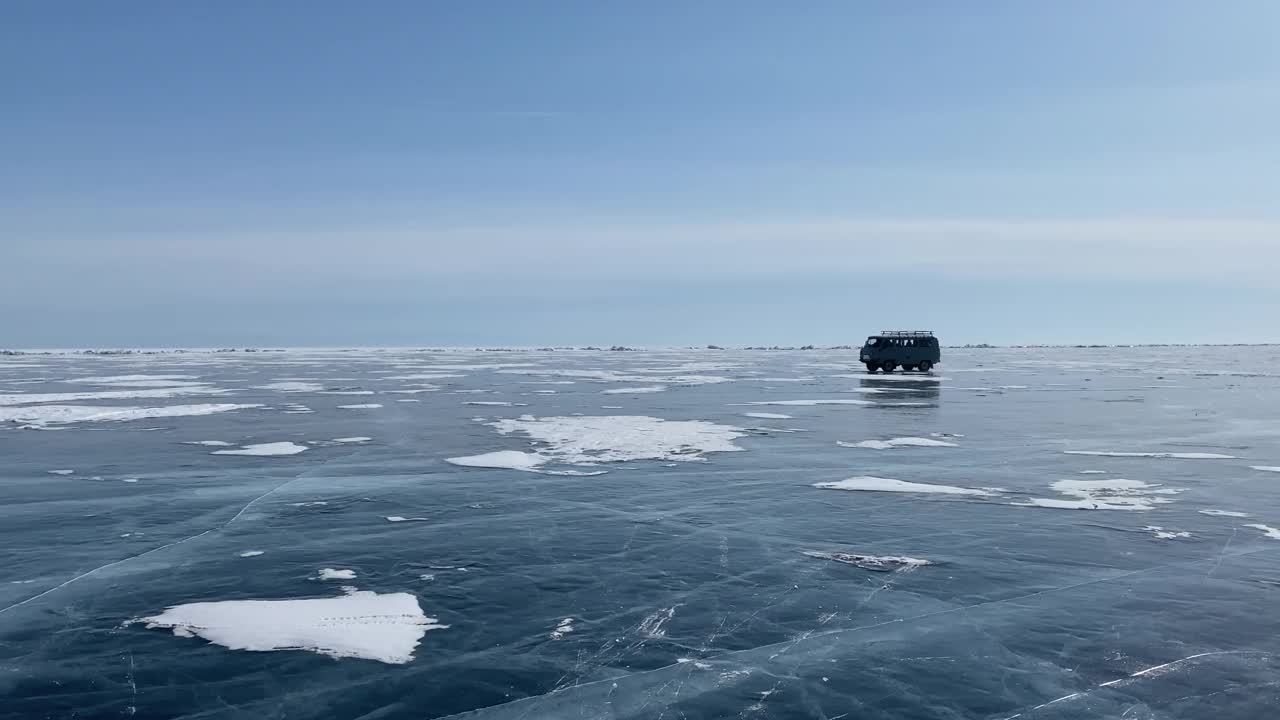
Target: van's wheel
[
  {"x": 887, "y": 366},
  {"x": 872, "y": 367},
  {"x": 926, "y": 366}
]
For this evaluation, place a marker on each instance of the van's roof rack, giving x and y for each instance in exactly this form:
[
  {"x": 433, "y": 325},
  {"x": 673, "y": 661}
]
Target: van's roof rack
[{"x": 906, "y": 333}]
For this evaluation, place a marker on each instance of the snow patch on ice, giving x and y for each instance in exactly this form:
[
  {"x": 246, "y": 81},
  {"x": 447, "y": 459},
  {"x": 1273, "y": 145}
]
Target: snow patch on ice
[
  {"x": 209, "y": 443},
  {"x": 65, "y": 414},
  {"x": 878, "y": 484},
  {"x": 1225, "y": 513},
  {"x": 1265, "y": 468},
  {"x": 508, "y": 459},
  {"x": 897, "y": 443},
  {"x": 335, "y": 574},
  {"x": 251, "y": 553},
  {"x": 361, "y": 624},
  {"x": 1114, "y": 494},
  {"x": 362, "y": 406},
  {"x": 1267, "y": 530},
  {"x": 274, "y": 449},
  {"x": 352, "y": 440},
  {"x": 563, "y": 628},
  {"x": 61, "y": 472},
  {"x": 1164, "y": 534},
  {"x": 1177, "y": 455},
  {"x": 583, "y": 440},
  {"x": 635, "y": 390},
  {"x": 165, "y": 392},
  {"x": 399, "y": 519},
  {"x": 768, "y": 416}
]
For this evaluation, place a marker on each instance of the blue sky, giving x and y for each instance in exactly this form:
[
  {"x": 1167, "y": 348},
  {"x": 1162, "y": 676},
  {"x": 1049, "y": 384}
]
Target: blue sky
[{"x": 423, "y": 173}]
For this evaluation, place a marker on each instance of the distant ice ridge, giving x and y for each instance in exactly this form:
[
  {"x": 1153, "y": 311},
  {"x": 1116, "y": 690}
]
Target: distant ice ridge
[
  {"x": 63, "y": 414},
  {"x": 1177, "y": 455},
  {"x": 1116, "y": 494},
  {"x": 878, "y": 563},
  {"x": 611, "y": 376},
  {"x": 897, "y": 443},
  {"x": 635, "y": 390},
  {"x": 361, "y": 624},
  {"x": 141, "y": 381},
  {"x": 1224, "y": 513},
  {"x": 265, "y": 449},
  {"x": 291, "y": 386},
  {"x": 878, "y": 484},
  {"x": 809, "y": 402}
]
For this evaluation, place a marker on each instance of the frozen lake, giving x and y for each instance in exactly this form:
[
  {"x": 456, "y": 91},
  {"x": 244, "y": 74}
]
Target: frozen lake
[{"x": 1025, "y": 533}]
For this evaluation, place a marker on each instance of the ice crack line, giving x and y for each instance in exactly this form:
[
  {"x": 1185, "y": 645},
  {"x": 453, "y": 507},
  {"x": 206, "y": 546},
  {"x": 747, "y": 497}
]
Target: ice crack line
[
  {"x": 223, "y": 526},
  {"x": 1140, "y": 673}
]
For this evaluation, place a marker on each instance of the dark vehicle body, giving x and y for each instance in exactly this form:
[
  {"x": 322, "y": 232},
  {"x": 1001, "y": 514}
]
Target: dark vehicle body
[{"x": 907, "y": 349}]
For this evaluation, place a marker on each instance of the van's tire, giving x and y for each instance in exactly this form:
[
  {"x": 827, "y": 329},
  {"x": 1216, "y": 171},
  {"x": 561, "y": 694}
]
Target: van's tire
[
  {"x": 925, "y": 366},
  {"x": 872, "y": 367},
  {"x": 888, "y": 366}
]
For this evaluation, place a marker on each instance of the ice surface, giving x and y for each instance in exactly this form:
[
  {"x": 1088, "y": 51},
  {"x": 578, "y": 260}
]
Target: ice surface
[
  {"x": 511, "y": 459},
  {"x": 897, "y": 443},
  {"x": 335, "y": 574},
  {"x": 878, "y": 484},
  {"x": 635, "y": 390},
  {"x": 1178, "y": 455},
  {"x": 620, "y": 438},
  {"x": 1225, "y": 513},
  {"x": 362, "y": 406},
  {"x": 1266, "y": 530},
  {"x": 1114, "y": 494},
  {"x": 768, "y": 416},
  {"x": 66, "y": 414},
  {"x": 272, "y": 449},
  {"x": 385, "y": 627},
  {"x": 659, "y": 561}
]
